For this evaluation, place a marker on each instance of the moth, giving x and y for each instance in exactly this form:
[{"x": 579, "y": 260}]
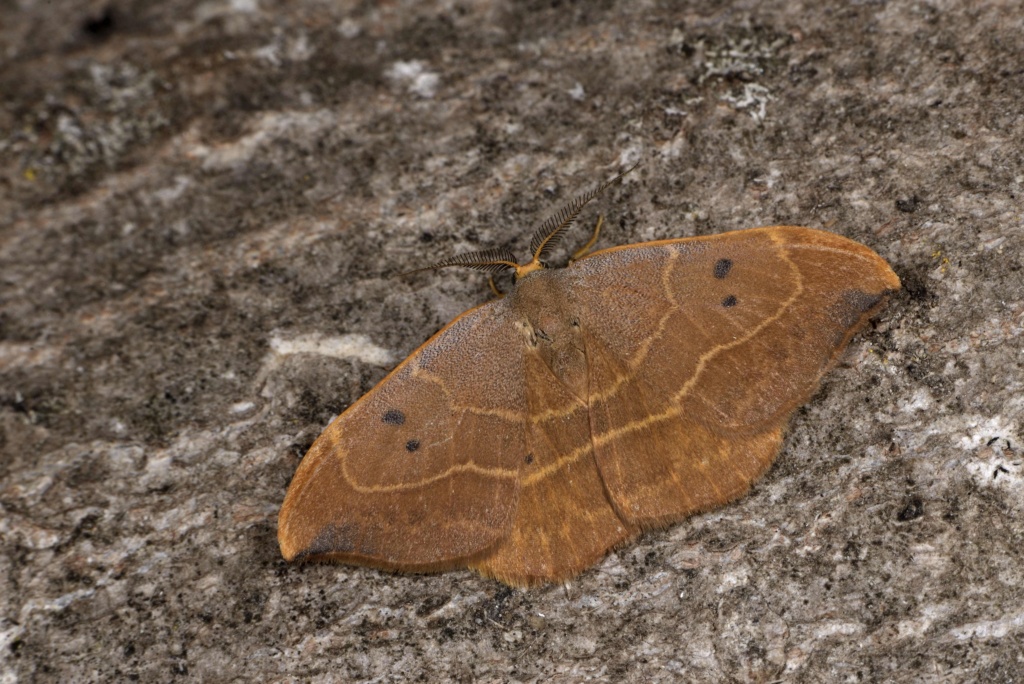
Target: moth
[{"x": 637, "y": 386}]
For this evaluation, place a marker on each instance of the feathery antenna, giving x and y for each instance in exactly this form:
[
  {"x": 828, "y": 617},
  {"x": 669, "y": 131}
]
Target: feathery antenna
[
  {"x": 494, "y": 260},
  {"x": 547, "y": 237},
  {"x": 544, "y": 241}
]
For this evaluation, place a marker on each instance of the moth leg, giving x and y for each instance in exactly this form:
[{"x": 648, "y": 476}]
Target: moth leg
[
  {"x": 582, "y": 251},
  {"x": 494, "y": 288}
]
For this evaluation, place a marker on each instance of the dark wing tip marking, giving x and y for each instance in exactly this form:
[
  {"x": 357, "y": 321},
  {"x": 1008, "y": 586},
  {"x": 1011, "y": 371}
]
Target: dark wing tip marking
[
  {"x": 331, "y": 539},
  {"x": 853, "y": 304}
]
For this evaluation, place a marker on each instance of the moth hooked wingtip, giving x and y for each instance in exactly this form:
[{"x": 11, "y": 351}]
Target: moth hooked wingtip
[
  {"x": 329, "y": 539},
  {"x": 287, "y": 538},
  {"x": 289, "y": 550}
]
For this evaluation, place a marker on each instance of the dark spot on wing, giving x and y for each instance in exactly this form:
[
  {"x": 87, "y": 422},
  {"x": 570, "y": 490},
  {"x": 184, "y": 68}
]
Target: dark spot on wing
[
  {"x": 722, "y": 268},
  {"x": 393, "y": 417},
  {"x": 412, "y": 445},
  {"x": 529, "y": 459},
  {"x": 729, "y": 301}
]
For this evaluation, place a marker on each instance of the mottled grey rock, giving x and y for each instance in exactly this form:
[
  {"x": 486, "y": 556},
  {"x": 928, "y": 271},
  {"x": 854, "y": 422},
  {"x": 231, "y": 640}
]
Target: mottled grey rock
[{"x": 202, "y": 205}]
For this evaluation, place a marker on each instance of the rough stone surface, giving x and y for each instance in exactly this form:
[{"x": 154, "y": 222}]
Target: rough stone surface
[{"x": 203, "y": 203}]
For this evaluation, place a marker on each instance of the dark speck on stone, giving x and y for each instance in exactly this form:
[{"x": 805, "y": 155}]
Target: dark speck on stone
[
  {"x": 907, "y": 205},
  {"x": 101, "y": 25},
  {"x": 912, "y": 510},
  {"x": 412, "y": 445},
  {"x": 393, "y": 417},
  {"x": 722, "y": 268},
  {"x": 729, "y": 301}
]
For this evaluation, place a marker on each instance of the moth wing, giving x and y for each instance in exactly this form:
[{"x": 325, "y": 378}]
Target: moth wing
[
  {"x": 422, "y": 472},
  {"x": 699, "y": 349},
  {"x": 564, "y": 522}
]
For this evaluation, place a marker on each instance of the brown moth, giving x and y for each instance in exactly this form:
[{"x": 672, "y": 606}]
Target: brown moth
[{"x": 637, "y": 386}]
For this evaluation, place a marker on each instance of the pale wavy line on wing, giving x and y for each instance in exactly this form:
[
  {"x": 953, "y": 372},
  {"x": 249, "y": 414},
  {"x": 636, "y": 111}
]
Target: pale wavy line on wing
[
  {"x": 457, "y": 469},
  {"x": 673, "y": 410}
]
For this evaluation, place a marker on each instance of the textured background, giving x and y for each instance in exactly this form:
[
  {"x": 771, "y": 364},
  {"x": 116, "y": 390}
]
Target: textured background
[{"x": 202, "y": 205}]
